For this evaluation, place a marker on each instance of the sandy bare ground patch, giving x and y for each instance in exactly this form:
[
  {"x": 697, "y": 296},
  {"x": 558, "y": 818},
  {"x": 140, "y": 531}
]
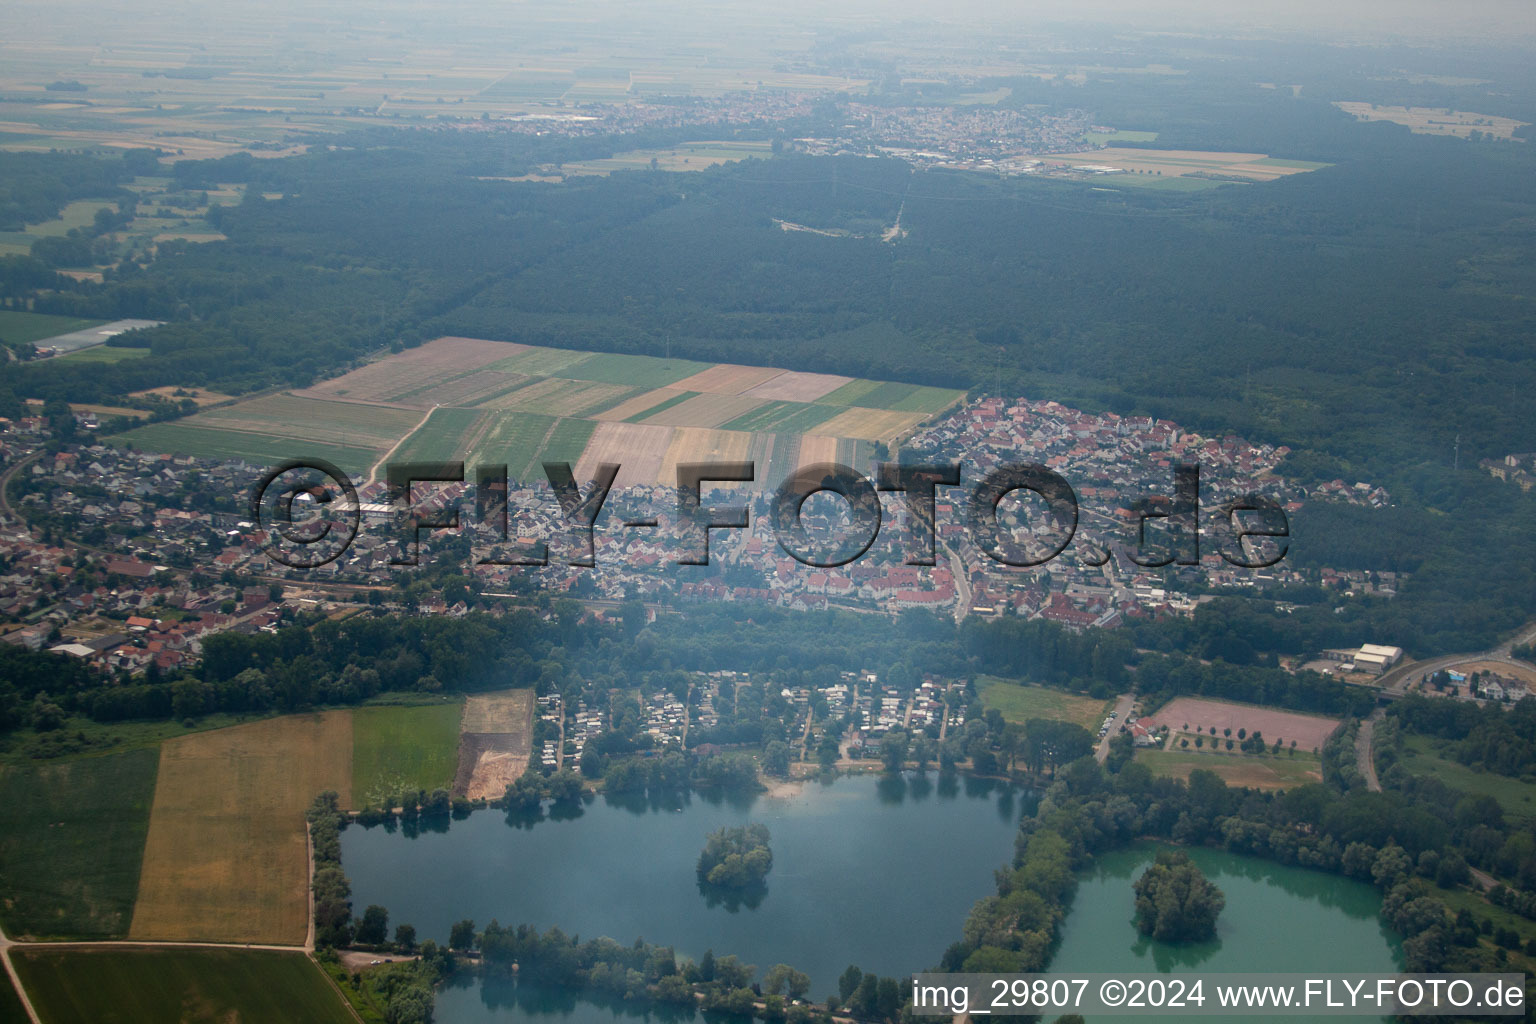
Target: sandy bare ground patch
[
  {"x": 226, "y": 858},
  {"x": 1309, "y": 731},
  {"x": 638, "y": 449},
  {"x": 637, "y": 405},
  {"x": 705, "y": 411},
  {"x": 793, "y": 386},
  {"x": 495, "y": 742},
  {"x": 698, "y": 444},
  {"x": 727, "y": 379},
  {"x": 871, "y": 424}
]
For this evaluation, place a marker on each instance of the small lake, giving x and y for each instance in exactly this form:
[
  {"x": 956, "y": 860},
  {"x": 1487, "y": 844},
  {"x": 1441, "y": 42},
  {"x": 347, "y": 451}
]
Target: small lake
[
  {"x": 1277, "y": 918},
  {"x": 872, "y": 871}
]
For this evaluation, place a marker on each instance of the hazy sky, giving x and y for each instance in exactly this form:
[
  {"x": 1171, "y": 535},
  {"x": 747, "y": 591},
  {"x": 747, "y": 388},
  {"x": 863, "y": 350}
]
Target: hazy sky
[{"x": 1504, "y": 22}]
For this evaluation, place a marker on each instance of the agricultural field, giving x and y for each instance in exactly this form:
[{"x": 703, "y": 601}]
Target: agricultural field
[
  {"x": 19, "y": 328},
  {"x": 1193, "y": 714},
  {"x": 1261, "y": 771},
  {"x": 187, "y": 437},
  {"x": 11, "y": 1010},
  {"x": 1435, "y": 121},
  {"x": 344, "y": 423},
  {"x": 489, "y": 401},
  {"x": 787, "y": 417},
  {"x": 226, "y": 859},
  {"x": 633, "y": 371},
  {"x": 691, "y": 156},
  {"x": 1175, "y": 163},
  {"x": 395, "y": 749},
  {"x": 1021, "y": 702},
  {"x": 73, "y": 844},
  {"x": 1425, "y": 755},
  {"x": 195, "y": 986},
  {"x": 104, "y": 354}
]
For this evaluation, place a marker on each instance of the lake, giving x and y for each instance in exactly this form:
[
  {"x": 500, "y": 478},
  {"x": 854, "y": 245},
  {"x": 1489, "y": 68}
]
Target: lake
[
  {"x": 871, "y": 871},
  {"x": 1277, "y": 918}
]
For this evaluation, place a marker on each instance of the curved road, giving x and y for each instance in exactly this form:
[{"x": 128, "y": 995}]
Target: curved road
[{"x": 1397, "y": 681}]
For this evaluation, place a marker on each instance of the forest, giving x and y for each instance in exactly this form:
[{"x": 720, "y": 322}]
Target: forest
[{"x": 1372, "y": 315}]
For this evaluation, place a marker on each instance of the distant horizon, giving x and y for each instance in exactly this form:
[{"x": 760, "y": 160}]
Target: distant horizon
[{"x": 1500, "y": 23}]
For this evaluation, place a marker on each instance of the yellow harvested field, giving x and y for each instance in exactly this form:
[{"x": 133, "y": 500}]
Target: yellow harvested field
[
  {"x": 639, "y": 450},
  {"x": 816, "y": 448},
  {"x": 226, "y": 859},
  {"x": 470, "y": 389},
  {"x": 314, "y": 419},
  {"x": 556, "y": 396},
  {"x": 417, "y": 369},
  {"x": 727, "y": 379},
  {"x": 1435, "y": 120},
  {"x": 705, "y": 411},
  {"x": 871, "y": 424},
  {"x": 696, "y": 444},
  {"x": 793, "y": 386},
  {"x": 637, "y": 405}
]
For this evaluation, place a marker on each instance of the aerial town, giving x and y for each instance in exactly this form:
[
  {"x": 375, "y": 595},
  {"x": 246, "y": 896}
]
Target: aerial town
[{"x": 165, "y": 549}]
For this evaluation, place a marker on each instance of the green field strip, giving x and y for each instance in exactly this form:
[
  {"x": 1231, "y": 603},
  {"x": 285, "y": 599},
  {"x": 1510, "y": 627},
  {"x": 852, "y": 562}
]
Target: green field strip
[
  {"x": 399, "y": 749},
  {"x": 783, "y": 418},
  {"x": 638, "y": 371},
  {"x": 927, "y": 400},
  {"x": 442, "y": 438},
  {"x": 887, "y": 396},
  {"x": 103, "y": 354},
  {"x": 565, "y": 444},
  {"x": 662, "y": 406},
  {"x": 513, "y": 439},
  {"x": 609, "y": 403},
  {"x": 103, "y": 986},
  {"x": 1165, "y": 184},
  {"x": 73, "y": 844},
  {"x": 1424, "y": 755},
  {"x": 540, "y": 362},
  {"x": 261, "y": 449},
  {"x": 850, "y": 393},
  {"x": 504, "y": 392},
  {"x": 18, "y": 327},
  {"x": 1305, "y": 165}
]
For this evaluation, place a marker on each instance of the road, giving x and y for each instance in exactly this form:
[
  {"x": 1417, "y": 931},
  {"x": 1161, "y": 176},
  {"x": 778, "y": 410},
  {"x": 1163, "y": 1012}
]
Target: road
[
  {"x": 10, "y": 969},
  {"x": 1123, "y": 704},
  {"x": 1398, "y": 680},
  {"x": 1365, "y": 756}
]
